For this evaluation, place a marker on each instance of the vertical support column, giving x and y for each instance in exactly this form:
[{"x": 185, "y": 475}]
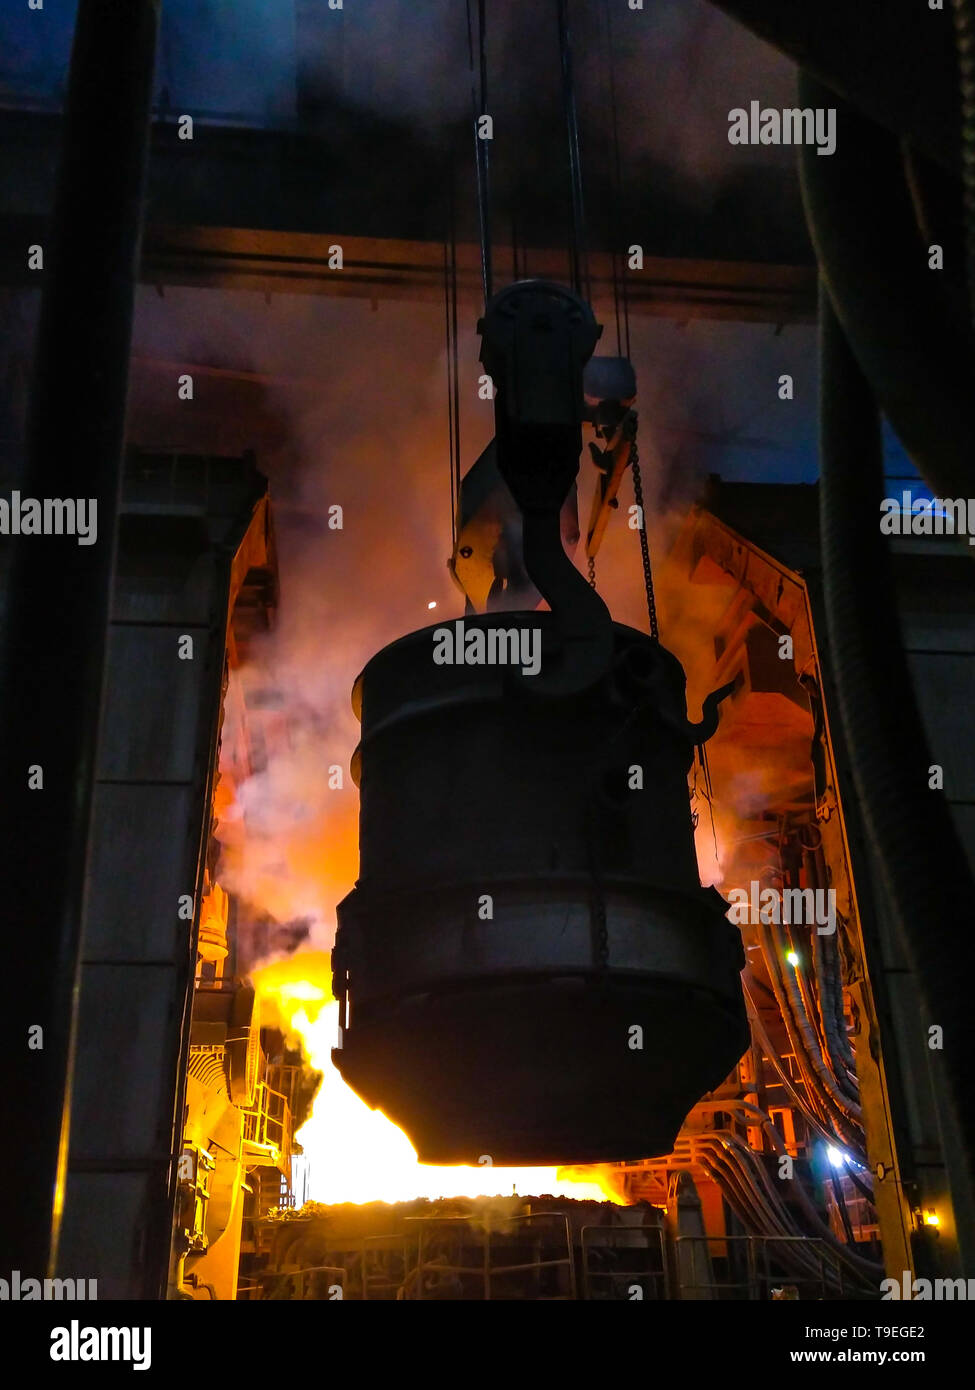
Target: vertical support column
[{"x": 52, "y": 663}]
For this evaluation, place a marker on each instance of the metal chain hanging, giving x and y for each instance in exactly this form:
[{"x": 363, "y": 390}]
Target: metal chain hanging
[
  {"x": 592, "y": 571},
  {"x": 644, "y": 544}
]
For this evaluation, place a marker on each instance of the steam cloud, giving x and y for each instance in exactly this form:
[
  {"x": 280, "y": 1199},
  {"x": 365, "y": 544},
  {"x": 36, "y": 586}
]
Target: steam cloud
[{"x": 350, "y": 409}]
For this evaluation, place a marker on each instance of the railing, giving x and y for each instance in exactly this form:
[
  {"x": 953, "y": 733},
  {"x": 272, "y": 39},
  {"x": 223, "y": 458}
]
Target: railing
[
  {"x": 486, "y": 1272},
  {"x": 651, "y": 1279},
  {"x": 758, "y": 1268},
  {"x": 267, "y": 1126},
  {"x": 297, "y": 1285},
  {"x": 391, "y": 1255}
]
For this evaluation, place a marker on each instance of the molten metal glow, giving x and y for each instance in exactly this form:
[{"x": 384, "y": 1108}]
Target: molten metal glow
[{"x": 356, "y": 1154}]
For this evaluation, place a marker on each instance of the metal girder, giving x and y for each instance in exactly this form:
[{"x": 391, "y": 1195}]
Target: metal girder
[
  {"x": 241, "y": 208},
  {"x": 383, "y": 268}
]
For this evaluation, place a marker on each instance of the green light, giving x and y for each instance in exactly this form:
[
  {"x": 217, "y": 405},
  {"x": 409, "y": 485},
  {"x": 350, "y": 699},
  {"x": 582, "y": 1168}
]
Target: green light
[{"x": 792, "y": 958}]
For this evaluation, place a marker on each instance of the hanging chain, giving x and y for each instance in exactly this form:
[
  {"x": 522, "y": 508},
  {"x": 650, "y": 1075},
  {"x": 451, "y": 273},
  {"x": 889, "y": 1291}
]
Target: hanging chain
[
  {"x": 592, "y": 571},
  {"x": 644, "y": 544}
]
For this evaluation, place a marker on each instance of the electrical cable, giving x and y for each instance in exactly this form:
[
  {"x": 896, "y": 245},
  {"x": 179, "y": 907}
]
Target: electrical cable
[
  {"x": 754, "y": 1115},
  {"x": 797, "y": 995},
  {"x": 797, "y": 1029},
  {"x": 840, "y": 1201},
  {"x": 829, "y": 983},
  {"x": 752, "y": 1207},
  {"x": 860, "y": 1185},
  {"x": 845, "y": 1113},
  {"x": 862, "y": 1265},
  {"x": 804, "y": 1105}
]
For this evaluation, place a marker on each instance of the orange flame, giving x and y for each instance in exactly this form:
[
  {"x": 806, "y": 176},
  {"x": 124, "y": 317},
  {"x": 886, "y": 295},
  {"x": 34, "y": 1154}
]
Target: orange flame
[{"x": 358, "y": 1155}]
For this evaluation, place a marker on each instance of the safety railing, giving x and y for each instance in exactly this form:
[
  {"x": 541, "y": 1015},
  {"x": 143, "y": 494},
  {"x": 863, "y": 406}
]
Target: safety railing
[
  {"x": 602, "y": 1249},
  {"x": 487, "y": 1273},
  {"x": 267, "y": 1125},
  {"x": 316, "y": 1283},
  {"x": 758, "y": 1269}
]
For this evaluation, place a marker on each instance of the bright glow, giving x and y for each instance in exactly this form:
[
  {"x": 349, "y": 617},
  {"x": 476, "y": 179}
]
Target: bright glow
[
  {"x": 837, "y": 1159},
  {"x": 432, "y": 603},
  {"x": 792, "y": 958},
  {"x": 931, "y": 1218},
  {"x": 357, "y": 1155}
]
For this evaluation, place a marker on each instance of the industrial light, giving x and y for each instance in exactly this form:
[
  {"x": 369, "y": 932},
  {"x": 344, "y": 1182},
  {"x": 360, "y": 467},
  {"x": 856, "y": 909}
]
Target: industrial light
[
  {"x": 931, "y": 1217},
  {"x": 792, "y": 958},
  {"x": 837, "y": 1159},
  {"x": 432, "y": 603}
]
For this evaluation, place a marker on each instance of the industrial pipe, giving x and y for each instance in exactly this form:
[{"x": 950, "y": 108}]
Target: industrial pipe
[
  {"x": 909, "y": 342},
  {"x": 891, "y": 58}
]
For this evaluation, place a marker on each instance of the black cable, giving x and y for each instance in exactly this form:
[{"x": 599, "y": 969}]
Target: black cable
[
  {"x": 615, "y": 172},
  {"x": 644, "y": 542},
  {"x": 841, "y": 1208},
  {"x": 860, "y": 1185},
  {"x": 481, "y": 164},
  {"x": 618, "y": 184},
  {"x": 964, "y": 11},
  {"x": 578, "y": 253},
  {"x": 455, "y": 363},
  {"x": 485, "y": 148},
  {"x": 803, "y": 1104},
  {"x": 450, "y": 383}
]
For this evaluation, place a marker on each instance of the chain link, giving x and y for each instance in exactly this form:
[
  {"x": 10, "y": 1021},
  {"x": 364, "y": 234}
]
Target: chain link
[
  {"x": 592, "y": 571},
  {"x": 644, "y": 544}
]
